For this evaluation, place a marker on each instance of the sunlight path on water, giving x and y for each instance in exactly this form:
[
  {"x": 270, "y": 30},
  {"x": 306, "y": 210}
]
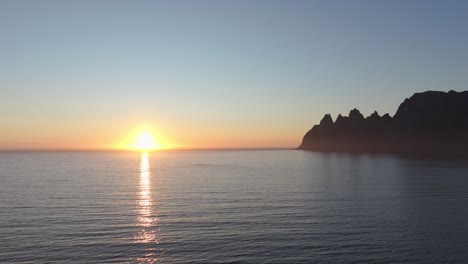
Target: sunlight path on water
[{"x": 146, "y": 220}]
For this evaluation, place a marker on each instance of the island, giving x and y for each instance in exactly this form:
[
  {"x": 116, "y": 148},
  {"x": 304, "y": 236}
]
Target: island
[{"x": 431, "y": 122}]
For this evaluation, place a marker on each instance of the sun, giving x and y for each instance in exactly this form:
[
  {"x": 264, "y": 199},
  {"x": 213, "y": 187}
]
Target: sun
[{"x": 145, "y": 141}]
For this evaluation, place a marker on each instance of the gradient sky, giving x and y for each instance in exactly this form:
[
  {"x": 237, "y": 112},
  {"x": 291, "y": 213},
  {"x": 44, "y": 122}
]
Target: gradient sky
[{"x": 207, "y": 74}]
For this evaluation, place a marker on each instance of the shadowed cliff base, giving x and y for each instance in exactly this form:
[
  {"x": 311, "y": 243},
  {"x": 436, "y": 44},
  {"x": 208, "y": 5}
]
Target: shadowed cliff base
[{"x": 432, "y": 122}]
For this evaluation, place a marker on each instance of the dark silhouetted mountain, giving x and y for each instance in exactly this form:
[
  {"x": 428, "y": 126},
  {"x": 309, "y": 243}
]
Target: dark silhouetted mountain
[{"x": 428, "y": 122}]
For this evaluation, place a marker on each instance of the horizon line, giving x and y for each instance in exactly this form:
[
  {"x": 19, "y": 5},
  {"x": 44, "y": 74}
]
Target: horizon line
[{"x": 136, "y": 150}]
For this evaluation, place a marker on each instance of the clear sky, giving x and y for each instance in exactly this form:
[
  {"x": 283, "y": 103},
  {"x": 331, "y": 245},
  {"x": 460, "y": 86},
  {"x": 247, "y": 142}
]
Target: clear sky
[{"x": 208, "y": 74}]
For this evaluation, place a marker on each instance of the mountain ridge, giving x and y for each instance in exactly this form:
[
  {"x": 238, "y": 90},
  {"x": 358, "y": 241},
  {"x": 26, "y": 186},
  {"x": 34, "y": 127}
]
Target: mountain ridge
[{"x": 427, "y": 122}]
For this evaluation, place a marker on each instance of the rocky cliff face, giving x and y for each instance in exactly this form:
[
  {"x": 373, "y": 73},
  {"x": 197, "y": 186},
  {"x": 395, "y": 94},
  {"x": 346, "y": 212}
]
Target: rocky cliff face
[{"x": 426, "y": 122}]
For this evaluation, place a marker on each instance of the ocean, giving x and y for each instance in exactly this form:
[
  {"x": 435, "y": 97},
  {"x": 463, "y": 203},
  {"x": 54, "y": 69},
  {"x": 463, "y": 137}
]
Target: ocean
[{"x": 231, "y": 206}]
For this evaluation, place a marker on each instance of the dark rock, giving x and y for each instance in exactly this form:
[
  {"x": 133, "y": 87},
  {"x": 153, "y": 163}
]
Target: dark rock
[
  {"x": 326, "y": 120},
  {"x": 427, "y": 122},
  {"x": 374, "y": 116},
  {"x": 355, "y": 115}
]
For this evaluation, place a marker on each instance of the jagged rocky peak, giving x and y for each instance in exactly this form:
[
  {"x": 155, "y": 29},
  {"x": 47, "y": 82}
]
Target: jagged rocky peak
[
  {"x": 355, "y": 115},
  {"x": 386, "y": 116},
  {"x": 326, "y": 120},
  {"x": 374, "y": 116}
]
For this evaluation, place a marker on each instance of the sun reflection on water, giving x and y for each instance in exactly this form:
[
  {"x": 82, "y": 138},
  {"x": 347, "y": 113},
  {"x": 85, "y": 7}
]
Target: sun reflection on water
[{"x": 146, "y": 219}]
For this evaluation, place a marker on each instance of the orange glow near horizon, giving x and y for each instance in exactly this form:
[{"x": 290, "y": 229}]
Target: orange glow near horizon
[{"x": 125, "y": 135}]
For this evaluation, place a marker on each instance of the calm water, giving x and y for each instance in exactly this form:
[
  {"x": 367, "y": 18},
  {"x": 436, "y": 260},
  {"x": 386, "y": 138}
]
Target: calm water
[{"x": 231, "y": 206}]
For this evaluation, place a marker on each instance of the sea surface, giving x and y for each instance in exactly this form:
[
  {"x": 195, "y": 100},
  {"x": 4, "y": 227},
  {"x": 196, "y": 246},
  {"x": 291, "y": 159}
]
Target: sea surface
[{"x": 252, "y": 206}]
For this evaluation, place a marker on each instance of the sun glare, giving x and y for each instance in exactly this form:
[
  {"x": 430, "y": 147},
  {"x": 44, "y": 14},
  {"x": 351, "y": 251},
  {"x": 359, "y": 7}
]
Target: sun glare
[{"x": 145, "y": 141}]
